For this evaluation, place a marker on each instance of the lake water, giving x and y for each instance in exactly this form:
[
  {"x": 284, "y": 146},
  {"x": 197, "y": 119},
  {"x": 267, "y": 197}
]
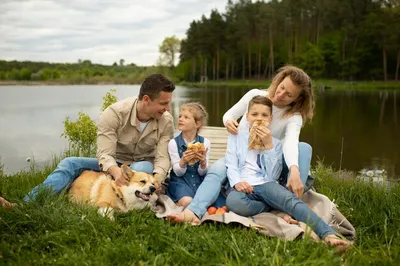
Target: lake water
[{"x": 352, "y": 130}]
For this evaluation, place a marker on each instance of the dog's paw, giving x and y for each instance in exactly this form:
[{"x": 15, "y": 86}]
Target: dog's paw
[{"x": 106, "y": 212}]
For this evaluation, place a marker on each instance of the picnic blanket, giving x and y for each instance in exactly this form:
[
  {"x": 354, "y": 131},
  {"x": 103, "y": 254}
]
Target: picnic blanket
[{"x": 269, "y": 223}]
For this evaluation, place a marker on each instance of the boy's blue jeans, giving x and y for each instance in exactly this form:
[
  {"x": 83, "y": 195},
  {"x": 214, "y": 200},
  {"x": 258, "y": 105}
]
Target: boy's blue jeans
[
  {"x": 273, "y": 196},
  {"x": 209, "y": 190},
  {"x": 70, "y": 168}
]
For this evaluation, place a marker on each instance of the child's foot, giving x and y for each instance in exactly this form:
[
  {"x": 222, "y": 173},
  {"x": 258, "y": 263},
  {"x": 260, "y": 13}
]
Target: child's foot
[
  {"x": 5, "y": 204},
  {"x": 335, "y": 241},
  {"x": 186, "y": 216}
]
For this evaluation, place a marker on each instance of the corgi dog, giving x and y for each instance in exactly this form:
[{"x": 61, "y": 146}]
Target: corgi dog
[{"x": 99, "y": 190}]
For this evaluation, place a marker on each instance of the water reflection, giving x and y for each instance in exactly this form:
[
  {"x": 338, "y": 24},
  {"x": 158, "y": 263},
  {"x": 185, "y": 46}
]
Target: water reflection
[{"x": 351, "y": 130}]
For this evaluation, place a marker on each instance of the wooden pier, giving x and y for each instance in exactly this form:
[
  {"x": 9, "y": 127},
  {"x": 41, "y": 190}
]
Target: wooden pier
[{"x": 218, "y": 136}]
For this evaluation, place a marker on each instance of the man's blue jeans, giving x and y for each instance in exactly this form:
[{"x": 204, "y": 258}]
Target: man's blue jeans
[
  {"x": 210, "y": 188},
  {"x": 70, "y": 168},
  {"x": 273, "y": 196}
]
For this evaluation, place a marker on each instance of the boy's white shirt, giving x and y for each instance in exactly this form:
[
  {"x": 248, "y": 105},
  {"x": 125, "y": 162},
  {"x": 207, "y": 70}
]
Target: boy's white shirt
[
  {"x": 174, "y": 155},
  {"x": 240, "y": 161},
  {"x": 286, "y": 129}
]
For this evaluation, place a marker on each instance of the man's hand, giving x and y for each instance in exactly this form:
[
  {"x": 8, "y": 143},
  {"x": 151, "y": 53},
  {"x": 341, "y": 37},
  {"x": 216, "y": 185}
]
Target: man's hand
[
  {"x": 231, "y": 126},
  {"x": 119, "y": 178},
  {"x": 159, "y": 183},
  {"x": 266, "y": 136},
  {"x": 243, "y": 186},
  {"x": 294, "y": 183}
]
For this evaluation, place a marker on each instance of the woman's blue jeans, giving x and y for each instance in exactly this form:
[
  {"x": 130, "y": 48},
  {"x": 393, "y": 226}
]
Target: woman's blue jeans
[
  {"x": 70, "y": 168},
  {"x": 210, "y": 188},
  {"x": 273, "y": 196}
]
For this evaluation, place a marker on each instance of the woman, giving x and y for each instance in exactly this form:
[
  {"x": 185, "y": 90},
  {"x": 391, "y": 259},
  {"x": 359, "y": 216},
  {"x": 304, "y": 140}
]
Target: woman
[{"x": 293, "y": 105}]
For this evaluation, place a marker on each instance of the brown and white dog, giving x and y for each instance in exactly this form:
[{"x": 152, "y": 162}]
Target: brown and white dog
[{"x": 99, "y": 190}]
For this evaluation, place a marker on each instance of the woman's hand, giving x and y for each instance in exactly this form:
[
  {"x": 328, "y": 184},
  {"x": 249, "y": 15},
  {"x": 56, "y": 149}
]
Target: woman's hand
[
  {"x": 231, "y": 126},
  {"x": 266, "y": 136},
  {"x": 244, "y": 187},
  {"x": 186, "y": 157},
  {"x": 294, "y": 183}
]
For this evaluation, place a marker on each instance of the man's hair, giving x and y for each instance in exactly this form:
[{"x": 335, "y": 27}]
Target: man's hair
[
  {"x": 260, "y": 100},
  {"x": 154, "y": 84}
]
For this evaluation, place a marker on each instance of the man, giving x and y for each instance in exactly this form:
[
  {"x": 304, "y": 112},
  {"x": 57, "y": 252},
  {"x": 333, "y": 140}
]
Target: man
[{"x": 134, "y": 131}]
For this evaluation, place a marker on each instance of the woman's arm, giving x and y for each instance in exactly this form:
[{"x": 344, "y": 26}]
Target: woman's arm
[
  {"x": 291, "y": 154},
  {"x": 240, "y": 108}
]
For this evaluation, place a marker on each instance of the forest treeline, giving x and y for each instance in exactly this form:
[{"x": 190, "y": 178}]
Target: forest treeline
[
  {"x": 335, "y": 39},
  {"x": 330, "y": 39},
  {"x": 84, "y": 71}
]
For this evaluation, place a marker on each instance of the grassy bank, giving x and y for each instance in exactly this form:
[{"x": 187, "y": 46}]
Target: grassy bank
[
  {"x": 51, "y": 231},
  {"x": 318, "y": 84}
]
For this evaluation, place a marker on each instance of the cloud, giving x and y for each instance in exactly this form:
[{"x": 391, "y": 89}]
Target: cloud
[{"x": 102, "y": 31}]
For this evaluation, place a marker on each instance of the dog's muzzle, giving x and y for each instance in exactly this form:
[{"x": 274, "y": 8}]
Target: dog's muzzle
[{"x": 145, "y": 196}]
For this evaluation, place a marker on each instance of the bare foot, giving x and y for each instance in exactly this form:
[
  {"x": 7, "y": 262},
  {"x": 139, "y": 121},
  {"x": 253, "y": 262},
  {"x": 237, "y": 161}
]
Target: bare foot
[
  {"x": 186, "y": 216},
  {"x": 5, "y": 204},
  {"x": 335, "y": 241}
]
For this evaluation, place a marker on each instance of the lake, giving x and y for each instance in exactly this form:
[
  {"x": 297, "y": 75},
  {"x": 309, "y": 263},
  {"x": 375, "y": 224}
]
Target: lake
[{"x": 351, "y": 130}]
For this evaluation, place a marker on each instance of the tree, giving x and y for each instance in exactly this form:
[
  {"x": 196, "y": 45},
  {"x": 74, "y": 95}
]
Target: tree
[
  {"x": 121, "y": 62},
  {"x": 168, "y": 49}
]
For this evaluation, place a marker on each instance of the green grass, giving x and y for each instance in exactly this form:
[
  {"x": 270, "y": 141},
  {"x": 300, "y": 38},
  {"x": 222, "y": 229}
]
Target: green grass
[
  {"x": 318, "y": 84},
  {"x": 52, "y": 231}
]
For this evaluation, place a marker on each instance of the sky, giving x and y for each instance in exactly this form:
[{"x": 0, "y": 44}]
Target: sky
[{"x": 103, "y": 31}]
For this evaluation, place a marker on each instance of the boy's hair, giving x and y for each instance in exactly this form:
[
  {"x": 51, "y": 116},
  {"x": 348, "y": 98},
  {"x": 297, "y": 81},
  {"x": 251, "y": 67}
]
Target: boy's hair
[
  {"x": 199, "y": 112},
  {"x": 260, "y": 100},
  {"x": 154, "y": 84},
  {"x": 305, "y": 103}
]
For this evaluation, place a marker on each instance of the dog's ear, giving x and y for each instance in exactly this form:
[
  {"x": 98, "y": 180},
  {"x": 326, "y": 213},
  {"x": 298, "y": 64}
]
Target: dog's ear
[{"x": 127, "y": 172}]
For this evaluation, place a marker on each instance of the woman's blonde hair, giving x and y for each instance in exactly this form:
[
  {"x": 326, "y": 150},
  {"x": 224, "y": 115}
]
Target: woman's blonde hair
[
  {"x": 199, "y": 112},
  {"x": 305, "y": 103}
]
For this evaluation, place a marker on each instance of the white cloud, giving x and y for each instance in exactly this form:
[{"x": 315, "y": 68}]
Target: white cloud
[{"x": 102, "y": 31}]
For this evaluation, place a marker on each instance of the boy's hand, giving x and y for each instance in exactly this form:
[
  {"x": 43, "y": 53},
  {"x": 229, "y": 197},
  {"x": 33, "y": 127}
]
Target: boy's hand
[
  {"x": 231, "y": 126},
  {"x": 244, "y": 187},
  {"x": 266, "y": 136}
]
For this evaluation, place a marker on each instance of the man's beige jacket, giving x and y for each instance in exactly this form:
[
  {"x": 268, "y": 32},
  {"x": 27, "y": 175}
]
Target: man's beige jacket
[{"x": 119, "y": 138}]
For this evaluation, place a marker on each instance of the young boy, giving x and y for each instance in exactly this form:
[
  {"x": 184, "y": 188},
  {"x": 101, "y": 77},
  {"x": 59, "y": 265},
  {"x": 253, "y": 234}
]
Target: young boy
[
  {"x": 253, "y": 173},
  {"x": 249, "y": 168}
]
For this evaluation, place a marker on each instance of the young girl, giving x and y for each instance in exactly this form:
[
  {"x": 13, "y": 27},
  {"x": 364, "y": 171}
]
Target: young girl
[
  {"x": 253, "y": 174},
  {"x": 186, "y": 178}
]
